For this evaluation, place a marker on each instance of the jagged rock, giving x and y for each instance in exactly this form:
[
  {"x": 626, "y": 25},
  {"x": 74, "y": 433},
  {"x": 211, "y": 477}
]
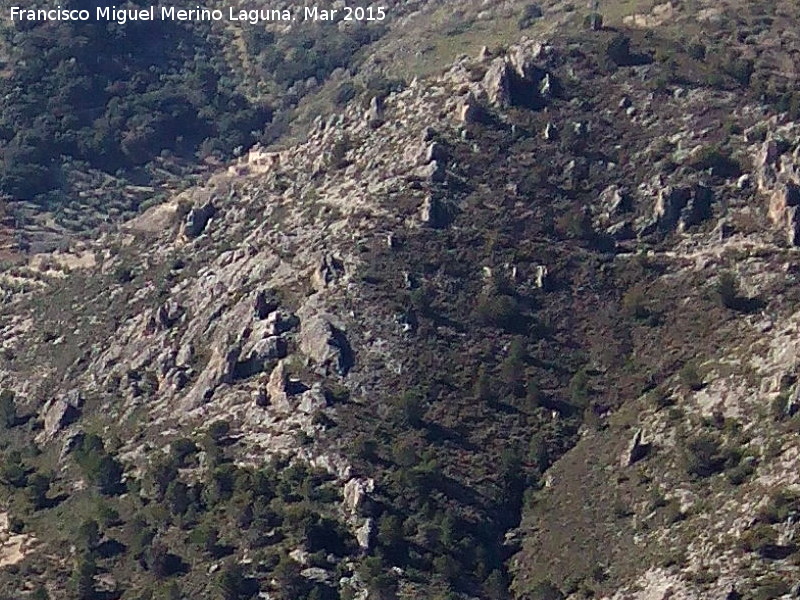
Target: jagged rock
[
  {"x": 792, "y": 403},
  {"x": 523, "y": 60},
  {"x": 783, "y": 211},
  {"x": 435, "y": 152},
  {"x": 277, "y": 387},
  {"x": 328, "y": 271},
  {"x": 497, "y": 83},
  {"x": 744, "y": 182},
  {"x": 165, "y": 316},
  {"x": 724, "y": 230},
  {"x": 185, "y": 355},
  {"x": 547, "y": 87},
  {"x": 71, "y": 441},
  {"x": 550, "y": 132},
  {"x": 355, "y": 492},
  {"x": 517, "y": 81},
  {"x": 541, "y": 277},
  {"x": 614, "y": 201},
  {"x": 365, "y": 533},
  {"x": 471, "y": 111},
  {"x": 312, "y": 401},
  {"x": 698, "y": 209},
  {"x": 317, "y": 574},
  {"x": 264, "y": 303},
  {"x": 484, "y": 54},
  {"x": 255, "y": 356},
  {"x": 61, "y": 412},
  {"x": 433, "y": 172},
  {"x": 621, "y": 231},
  {"x": 682, "y": 206},
  {"x": 375, "y": 114},
  {"x": 435, "y": 213},
  {"x": 221, "y": 368},
  {"x": 637, "y": 449},
  {"x": 326, "y": 344},
  {"x": 197, "y": 219}
]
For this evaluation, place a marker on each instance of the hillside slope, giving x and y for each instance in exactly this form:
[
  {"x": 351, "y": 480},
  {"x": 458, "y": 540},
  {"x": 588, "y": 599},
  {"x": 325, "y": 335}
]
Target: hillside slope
[{"x": 522, "y": 328}]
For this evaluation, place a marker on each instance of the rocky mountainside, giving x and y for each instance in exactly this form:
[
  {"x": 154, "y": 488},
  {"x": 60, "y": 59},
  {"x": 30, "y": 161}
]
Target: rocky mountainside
[{"x": 522, "y": 328}]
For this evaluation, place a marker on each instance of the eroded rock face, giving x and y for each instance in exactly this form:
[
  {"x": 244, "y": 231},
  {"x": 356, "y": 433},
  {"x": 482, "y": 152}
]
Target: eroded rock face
[{"x": 778, "y": 177}]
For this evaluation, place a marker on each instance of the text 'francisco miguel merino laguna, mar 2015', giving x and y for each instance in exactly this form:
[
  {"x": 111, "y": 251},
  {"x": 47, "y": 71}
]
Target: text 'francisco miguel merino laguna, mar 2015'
[{"x": 172, "y": 13}]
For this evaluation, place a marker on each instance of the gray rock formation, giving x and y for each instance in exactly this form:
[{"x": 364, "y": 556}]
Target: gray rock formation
[
  {"x": 435, "y": 213},
  {"x": 682, "y": 206},
  {"x": 376, "y": 113},
  {"x": 197, "y": 219},
  {"x": 326, "y": 344},
  {"x": 329, "y": 270},
  {"x": 636, "y": 450},
  {"x": 62, "y": 411}
]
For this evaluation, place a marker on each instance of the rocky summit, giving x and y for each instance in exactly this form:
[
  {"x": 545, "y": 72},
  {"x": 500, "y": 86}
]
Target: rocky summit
[{"x": 515, "y": 321}]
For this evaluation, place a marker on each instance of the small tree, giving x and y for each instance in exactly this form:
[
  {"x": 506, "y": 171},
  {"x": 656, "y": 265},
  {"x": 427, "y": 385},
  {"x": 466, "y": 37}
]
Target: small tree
[
  {"x": 8, "y": 409},
  {"x": 82, "y": 580},
  {"x": 38, "y": 486},
  {"x": 727, "y": 290}
]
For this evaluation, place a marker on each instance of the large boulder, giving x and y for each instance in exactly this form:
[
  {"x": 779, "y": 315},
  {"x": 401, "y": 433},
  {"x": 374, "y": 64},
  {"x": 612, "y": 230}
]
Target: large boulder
[
  {"x": 62, "y": 411},
  {"x": 326, "y": 344},
  {"x": 516, "y": 80},
  {"x": 197, "y": 219},
  {"x": 435, "y": 212},
  {"x": 328, "y": 271},
  {"x": 682, "y": 206}
]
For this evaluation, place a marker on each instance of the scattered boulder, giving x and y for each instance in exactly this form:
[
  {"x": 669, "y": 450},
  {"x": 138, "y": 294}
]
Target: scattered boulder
[
  {"x": 375, "y": 114},
  {"x": 637, "y": 449},
  {"x": 550, "y": 132}
]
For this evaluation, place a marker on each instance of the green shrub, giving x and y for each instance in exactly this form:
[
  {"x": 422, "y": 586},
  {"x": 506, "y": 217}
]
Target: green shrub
[
  {"x": 717, "y": 160},
  {"x": 690, "y": 377},
  {"x": 704, "y": 456},
  {"x": 727, "y": 290},
  {"x": 498, "y": 310}
]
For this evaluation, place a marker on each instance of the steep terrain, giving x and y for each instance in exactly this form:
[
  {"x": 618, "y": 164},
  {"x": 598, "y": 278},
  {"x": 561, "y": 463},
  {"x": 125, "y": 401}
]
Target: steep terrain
[{"x": 520, "y": 328}]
